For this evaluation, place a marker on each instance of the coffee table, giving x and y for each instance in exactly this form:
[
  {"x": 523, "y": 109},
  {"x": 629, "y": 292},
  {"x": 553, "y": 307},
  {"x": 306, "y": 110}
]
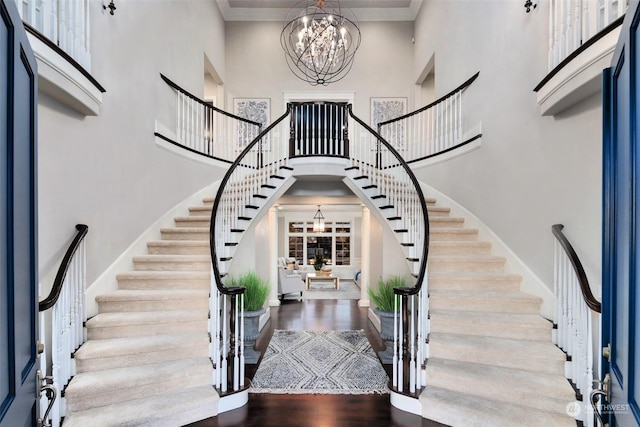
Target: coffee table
[{"x": 313, "y": 277}]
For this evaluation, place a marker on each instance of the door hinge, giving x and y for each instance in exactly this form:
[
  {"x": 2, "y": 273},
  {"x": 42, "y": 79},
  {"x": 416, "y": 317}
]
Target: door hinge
[{"x": 606, "y": 352}]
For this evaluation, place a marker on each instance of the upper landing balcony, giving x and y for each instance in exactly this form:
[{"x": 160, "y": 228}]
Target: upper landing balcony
[{"x": 582, "y": 38}]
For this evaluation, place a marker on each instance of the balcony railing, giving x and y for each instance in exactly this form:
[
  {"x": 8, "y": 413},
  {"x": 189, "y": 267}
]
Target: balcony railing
[
  {"x": 64, "y": 22},
  {"x": 573, "y": 22}
]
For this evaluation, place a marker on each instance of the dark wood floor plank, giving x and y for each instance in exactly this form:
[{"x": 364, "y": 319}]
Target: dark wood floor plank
[{"x": 306, "y": 410}]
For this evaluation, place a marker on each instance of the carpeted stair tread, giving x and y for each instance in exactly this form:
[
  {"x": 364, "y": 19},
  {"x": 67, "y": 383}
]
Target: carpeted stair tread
[
  {"x": 458, "y": 247},
  {"x": 193, "y": 218},
  {"x": 438, "y": 211},
  {"x": 445, "y": 221},
  {"x": 99, "y": 382},
  {"x": 119, "y": 324},
  {"x": 94, "y": 349},
  {"x": 457, "y": 280},
  {"x": 171, "y": 409},
  {"x": 164, "y": 275},
  {"x": 158, "y": 279},
  {"x": 448, "y": 233},
  {"x": 152, "y": 294},
  {"x": 484, "y": 300},
  {"x": 463, "y": 410},
  {"x": 185, "y": 233},
  {"x": 179, "y": 247},
  {"x": 536, "y": 356},
  {"x": 542, "y": 391},
  {"x": 170, "y": 258},
  {"x": 473, "y": 276},
  {"x": 504, "y": 325},
  {"x": 142, "y": 318}
]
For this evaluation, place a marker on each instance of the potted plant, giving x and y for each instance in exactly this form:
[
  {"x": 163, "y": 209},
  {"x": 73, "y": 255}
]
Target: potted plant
[
  {"x": 255, "y": 295},
  {"x": 318, "y": 260},
  {"x": 384, "y": 298}
]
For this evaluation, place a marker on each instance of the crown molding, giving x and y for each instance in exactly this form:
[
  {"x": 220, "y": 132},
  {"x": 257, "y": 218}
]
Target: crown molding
[{"x": 278, "y": 14}]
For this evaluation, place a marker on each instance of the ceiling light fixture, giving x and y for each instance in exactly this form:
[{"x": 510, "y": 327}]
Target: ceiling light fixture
[
  {"x": 320, "y": 39},
  {"x": 318, "y": 221}
]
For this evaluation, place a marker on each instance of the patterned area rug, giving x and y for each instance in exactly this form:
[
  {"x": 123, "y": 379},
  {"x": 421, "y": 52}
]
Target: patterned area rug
[{"x": 319, "y": 362}]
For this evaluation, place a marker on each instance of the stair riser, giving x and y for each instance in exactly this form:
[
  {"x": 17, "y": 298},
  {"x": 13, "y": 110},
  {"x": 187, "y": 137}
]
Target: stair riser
[
  {"x": 474, "y": 266},
  {"x": 526, "y": 394},
  {"x": 497, "y": 331},
  {"x": 437, "y": 213},
  {"x": 122, "y": 361},
  {"x": 178, "y": 250},
  {"x": 459, "y": 250},
  {"x": 161, "y": 305},
  {"x": 138, "y": 284},
  {"x": 184, "y": 235},
  {"x": 172, "y": 266},
  {"x": 143, "y": 330},
  {"x": 459, "y": 304},
  {"x": 97, "y": 398},
  {"x": 488, "y": 357},
  {"x": 201, "y": 211}
]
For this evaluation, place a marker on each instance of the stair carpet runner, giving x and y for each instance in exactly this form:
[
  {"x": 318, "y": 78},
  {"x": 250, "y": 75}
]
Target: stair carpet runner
[{"x": 146, "y": 361}]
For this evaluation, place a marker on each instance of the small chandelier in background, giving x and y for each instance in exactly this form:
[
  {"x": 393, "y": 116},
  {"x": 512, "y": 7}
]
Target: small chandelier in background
[
  {"x": 318, "y": 221},
  {"x": 111, "y": 6},
  {"x": 320, "y": 39}
]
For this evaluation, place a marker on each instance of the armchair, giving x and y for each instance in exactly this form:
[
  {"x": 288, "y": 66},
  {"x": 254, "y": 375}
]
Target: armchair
[{"x": 289, "y": 281}]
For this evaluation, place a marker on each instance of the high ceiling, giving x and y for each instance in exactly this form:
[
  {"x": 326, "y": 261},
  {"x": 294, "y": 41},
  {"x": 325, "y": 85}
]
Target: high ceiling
[{"x": 275, "y": 10}]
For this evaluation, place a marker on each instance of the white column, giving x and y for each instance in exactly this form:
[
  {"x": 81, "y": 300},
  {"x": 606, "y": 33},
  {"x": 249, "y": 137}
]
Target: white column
[
  {"x": 273, "y": 256},
  {"x": 365, "y": 248}
]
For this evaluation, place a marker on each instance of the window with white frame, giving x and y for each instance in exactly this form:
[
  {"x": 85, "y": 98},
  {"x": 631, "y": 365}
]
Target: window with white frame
[{"x": 334, "y": 243}]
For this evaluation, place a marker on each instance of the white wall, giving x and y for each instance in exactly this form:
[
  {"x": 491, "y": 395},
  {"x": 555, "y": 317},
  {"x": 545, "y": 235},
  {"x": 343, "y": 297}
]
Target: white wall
[
  {"x": 106, "y": 171},
  {"x": 256, "y": 66},
  {"x": 530, "y": 172}
]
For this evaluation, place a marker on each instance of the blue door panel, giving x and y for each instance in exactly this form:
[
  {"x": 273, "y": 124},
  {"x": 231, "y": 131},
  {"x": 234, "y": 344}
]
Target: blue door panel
[
  {"x": 18, "y": 240},
  {"x": 621, "y": 227}
]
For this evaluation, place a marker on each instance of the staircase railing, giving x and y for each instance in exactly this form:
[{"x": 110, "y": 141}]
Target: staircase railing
[
  {"x": 433, "y": 129},
  {"x": 204, "y": 129},
  {"x": 64, "y": 22},
  {"x": 254, "y": 176},
  {"x": 404, "y": 206},
  {"x": 573, "y": 22},
  {"x": 573, "y": 319},
  {"x": 68, "y": 317},
  {"x": 237, "y": 201}
]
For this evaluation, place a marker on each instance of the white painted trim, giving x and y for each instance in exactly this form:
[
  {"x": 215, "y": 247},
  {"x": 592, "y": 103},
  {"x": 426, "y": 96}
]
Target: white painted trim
[
  {"x": 457, "y": 152},
  {"x": 165, "y": 145},
  {"x": 63, "y": 82},
  {"x": 580, "y": 78},
  {"x": 406, "y": 403},
  {"x": 318, "y": 95},
  {"x": 531, "y": 283},
  {"x": 233, "y": 401},
  {"x": 107, "y": 281}
]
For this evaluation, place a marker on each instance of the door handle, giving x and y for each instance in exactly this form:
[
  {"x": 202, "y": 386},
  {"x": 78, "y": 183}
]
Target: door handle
[
  {"x": 45, "y": 384},
  {"x": 604, "y": 390}
]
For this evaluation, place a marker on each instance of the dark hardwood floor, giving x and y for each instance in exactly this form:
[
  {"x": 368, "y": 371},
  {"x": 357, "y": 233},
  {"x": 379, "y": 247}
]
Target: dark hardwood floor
[{"x": 308, "y": 410}]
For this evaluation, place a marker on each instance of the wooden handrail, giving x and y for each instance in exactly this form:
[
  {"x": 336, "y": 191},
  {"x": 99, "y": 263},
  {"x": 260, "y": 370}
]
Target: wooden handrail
[
  {"x": 53, "y": 296},
  {"x": 588, "y": 297},
  {"x": 205, "y": 104},
  {"x": 423, "y": 205},
  {"x": 438, "y": 101}
]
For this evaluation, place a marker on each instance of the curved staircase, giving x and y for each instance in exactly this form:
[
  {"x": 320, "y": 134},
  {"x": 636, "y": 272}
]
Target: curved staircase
[
  {"x": 491, "y": 361},
  {"x": 146, "y": 361}
]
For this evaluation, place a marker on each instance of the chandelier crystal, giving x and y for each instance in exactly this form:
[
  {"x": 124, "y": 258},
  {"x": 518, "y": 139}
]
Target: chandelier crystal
[{"x": 320, "y": 39}]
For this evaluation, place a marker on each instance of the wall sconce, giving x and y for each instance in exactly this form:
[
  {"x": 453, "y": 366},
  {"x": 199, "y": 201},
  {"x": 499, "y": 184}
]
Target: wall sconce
[
  {"x": 528, "y": 5},
  {"x": 111, "y": 6}
]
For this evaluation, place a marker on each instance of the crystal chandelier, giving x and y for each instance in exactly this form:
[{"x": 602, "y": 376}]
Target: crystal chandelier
[{"x": 320, "y": 40}]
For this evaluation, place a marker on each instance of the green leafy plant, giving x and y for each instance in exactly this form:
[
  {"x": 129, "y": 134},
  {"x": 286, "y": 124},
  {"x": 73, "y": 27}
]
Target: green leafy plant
[
  {"x": 382, "y": 295},
  {"x": 318, "y": 260},
  {"x": 256, "y": 290}
]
